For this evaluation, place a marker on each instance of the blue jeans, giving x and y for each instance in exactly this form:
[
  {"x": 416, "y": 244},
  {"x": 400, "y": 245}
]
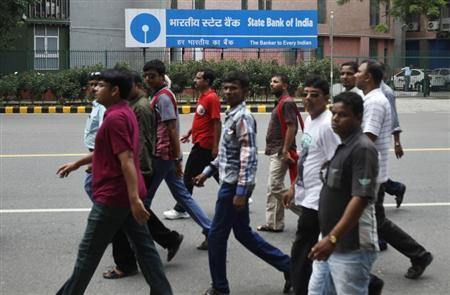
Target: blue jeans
[
  {"x": 165, "y": 170},
  {"x": 103, "y": 223},
  {"x": 343, "y": 273},
  {"x": 88, "y": 185},
  {"x": 226, "y": 217}
]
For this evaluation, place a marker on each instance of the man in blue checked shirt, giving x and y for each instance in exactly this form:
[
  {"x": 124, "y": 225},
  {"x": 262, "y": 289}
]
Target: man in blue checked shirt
[{"x": 236, "y": 163}]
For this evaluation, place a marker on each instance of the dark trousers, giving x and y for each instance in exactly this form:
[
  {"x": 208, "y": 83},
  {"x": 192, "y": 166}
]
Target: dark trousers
[
  {"x": 198, "y": 159},
  {"x": 103, "y": 223},
  {"x": 227, "y": 218},
  {"x": 392, "y": 187},
  {"x": 305, "y": 238},
  {"x": 123, "y": 254},
  {"x": 394, "y": 235}
]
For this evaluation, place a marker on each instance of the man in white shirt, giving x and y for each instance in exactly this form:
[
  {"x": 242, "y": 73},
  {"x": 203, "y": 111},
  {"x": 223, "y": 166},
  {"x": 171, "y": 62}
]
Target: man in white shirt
[
  {"x": 347, "y": 76},
  {"x": 318, "y": 145},
  {"x": 377, "y": 125}
]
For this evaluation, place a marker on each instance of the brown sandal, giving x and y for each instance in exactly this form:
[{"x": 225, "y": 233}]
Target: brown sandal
[{"x": 116, "y": 273}]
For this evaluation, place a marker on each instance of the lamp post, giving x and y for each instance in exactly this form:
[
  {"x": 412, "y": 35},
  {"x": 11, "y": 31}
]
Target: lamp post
[{"x": 331, "y": 53}]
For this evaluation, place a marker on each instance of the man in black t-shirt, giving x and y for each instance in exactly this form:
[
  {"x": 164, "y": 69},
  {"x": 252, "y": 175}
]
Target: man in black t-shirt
[{"x": 347, "y": 250}]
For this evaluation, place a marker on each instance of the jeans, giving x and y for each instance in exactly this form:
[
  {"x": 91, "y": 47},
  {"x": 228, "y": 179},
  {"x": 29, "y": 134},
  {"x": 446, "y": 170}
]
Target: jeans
[
  {"x": 165, "y": 170},
  {"x": 198, "y": 159},
  {"x": 305, "y": 238},
  {"x": 226, "y": 217},
  {"x": 395, "y": 236},
  {"x": 342, "y": 274},
  {"x": 103, "y": 223},
  {"x": 88, "y": 185}
]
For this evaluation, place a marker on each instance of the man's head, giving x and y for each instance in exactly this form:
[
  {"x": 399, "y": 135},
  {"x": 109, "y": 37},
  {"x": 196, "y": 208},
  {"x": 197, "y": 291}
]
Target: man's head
[
  {"x": 279, "y": 84},
  {"x": 235, "y": 87},
  {"x": 315, "y": 96},
  {"x": 348, "y": 71},
  {"x": 154, "y": 74},
  {"x": 369, "y": 75},
  {"x": 137, "y": 86},
  {"x": 204, "y": 79},
  {"x": 347, "y": 113},
  {"x": 92, "y": 82},
  {"x": 113, "y": 86}
]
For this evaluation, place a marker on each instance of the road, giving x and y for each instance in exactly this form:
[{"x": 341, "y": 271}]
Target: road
[{"x": 38, "y": 248}]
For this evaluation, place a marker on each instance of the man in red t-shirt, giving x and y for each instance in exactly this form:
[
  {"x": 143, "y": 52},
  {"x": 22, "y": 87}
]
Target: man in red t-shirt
[
  {"x": 118, "y": 190},
  {"x": 205, "y": 133}
]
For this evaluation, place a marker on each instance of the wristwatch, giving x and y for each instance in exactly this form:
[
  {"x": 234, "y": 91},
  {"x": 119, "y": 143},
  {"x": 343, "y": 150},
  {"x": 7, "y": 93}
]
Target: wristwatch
[{"x": 332, "y": 239}]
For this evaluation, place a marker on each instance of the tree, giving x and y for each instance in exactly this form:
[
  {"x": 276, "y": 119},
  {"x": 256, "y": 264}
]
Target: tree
[
  {"x": 11, "y": 17},
  {"x": 402, "y": 8}
]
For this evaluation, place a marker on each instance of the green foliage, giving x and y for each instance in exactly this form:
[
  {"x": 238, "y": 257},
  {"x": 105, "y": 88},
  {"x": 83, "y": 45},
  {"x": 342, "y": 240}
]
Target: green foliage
[{"x": 11, "y": 12}]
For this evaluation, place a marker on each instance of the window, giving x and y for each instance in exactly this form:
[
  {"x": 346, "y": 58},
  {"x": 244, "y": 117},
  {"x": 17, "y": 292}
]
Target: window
[
  {"x": 199, "y": 4},
  {"x": 322, "y": 11},
  {"x": 374, "y": 12},
  {"x": 46, "y": 47},
  {"x": 244, "y": 4},
  {"x": 265, "y": 4},
  {"x": 415, "y": 73},
  {"x": 373, "y": 48},
  {"x": 173, "y": 4}
]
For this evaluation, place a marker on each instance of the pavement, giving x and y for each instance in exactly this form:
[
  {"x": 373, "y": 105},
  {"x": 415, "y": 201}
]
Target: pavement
[{"x": 42, "y": 217}]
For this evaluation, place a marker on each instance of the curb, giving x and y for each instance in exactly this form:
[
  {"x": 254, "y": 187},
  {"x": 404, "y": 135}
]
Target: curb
[{"x": 183, "y": 109}]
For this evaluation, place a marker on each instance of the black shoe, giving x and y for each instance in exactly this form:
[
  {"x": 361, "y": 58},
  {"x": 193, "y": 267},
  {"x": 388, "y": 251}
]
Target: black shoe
[
  {"x": 417, "y": 269},
  {"x": 172, "y": 251},
  {"x": 383, "y": 245},
  {"x": 375, "y": 285},
  {"x": 399, "y": 196},
  {"x": 212, "y": 291},
  {"x": 203, "y": 245},
  {"x": 287, "y": 282}
]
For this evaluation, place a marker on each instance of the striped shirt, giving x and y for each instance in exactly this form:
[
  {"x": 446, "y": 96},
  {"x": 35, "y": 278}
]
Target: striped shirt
[
  {"x": 237, "y": 158},
  {"x": 378, "y": 121},
  {"x": 389, "y": 93}
]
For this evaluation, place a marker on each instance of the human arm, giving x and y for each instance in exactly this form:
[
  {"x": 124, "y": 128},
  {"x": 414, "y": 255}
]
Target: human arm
[
  {"x": 140, "y": 214},
  {"x": 175, "y": 144},
  {"x": 185, "y": 137},
  {"x": 325, "y": 247},
  {"x": 217, "y": 126},
  {"x": 289, "y": 195},
  {"x": 288, "y": 140},
  {"x": 397, "y": 145},
  {"x": 64, "y": 170}
]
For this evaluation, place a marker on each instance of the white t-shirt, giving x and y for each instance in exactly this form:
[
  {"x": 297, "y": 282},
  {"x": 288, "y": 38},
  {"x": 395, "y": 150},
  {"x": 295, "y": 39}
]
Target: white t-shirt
[
  {"x": 318, "y": 145},
  {"x": 378, "y": 121}
]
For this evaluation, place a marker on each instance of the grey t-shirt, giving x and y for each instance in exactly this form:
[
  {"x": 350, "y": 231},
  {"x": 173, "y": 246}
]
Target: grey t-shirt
[{"x": 351, "y": 172}]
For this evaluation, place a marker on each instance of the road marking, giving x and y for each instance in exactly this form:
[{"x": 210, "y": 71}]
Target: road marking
[
  {"x": 187, "y": 153},
  {"x": 75, "y": 210}
]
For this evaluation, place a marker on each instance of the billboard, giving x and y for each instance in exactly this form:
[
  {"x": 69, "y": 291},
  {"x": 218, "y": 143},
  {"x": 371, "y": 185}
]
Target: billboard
[{"x": 221, "y": 28}]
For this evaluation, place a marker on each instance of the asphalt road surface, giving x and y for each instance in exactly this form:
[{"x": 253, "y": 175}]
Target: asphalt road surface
[{"x": 39, "y": 247}]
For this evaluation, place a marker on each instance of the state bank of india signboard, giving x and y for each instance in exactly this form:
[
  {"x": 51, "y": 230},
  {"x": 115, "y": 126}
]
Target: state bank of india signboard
[{"x": 221, "y": 28}]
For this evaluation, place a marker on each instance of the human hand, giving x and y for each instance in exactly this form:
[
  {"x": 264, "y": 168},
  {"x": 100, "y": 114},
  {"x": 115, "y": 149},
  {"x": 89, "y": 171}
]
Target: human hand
[
  {"x": 185, "y": 138},
  {"x": 288, "y": 197},
  {"x": 140, "y": 214},
  {"x": 214, "y": 152},
  {"x": 179, "y": 169},
  {"x": 321, "y": 250},
  {"x": 65, "y": 169},
  {"x": 239, "y": 202},
  {"x": 287, "y": 157},
  {"x": 199, "y": 180},
  {"x": 398, "y": 150}
]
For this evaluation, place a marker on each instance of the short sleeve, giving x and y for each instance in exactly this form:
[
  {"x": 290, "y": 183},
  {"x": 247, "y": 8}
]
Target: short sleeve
[
  {"x": 329, "y": 141},
  {"x": 166, "y": 108},
  {"x": 289, "y": 112},
  {"x": 364, "y": 172},
  {"x": 120, "y": 135},
  {"x": 214, "y": 106}
]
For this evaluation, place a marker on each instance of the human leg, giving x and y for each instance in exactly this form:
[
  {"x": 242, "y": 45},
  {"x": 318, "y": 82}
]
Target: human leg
[
  {"x": 305, "y": 238},
  {"x": 275, "y": 191},
  {"x": 396, "y": 189},
  {"x": 147, "y": 256},
  {"x": 123, "y": 254},
  {"x": 218, "y": 238},
  {"x": 320, "y": 282},
  {"x": 103, "y": 223},
  {"x": 88, "y": 185}
]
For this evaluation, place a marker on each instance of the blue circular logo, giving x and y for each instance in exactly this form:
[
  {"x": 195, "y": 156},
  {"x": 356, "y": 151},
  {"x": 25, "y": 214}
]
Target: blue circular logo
[{"x": 145, "y": 28}]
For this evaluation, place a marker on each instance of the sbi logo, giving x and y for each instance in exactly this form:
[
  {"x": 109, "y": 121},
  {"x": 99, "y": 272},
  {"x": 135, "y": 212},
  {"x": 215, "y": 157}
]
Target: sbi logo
[{"x": 145, "y": 28}]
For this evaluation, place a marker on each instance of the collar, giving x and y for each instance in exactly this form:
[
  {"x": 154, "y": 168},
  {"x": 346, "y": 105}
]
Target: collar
[
  {"x": 235, "y": 109},
  {"x": 372, "y": 93},
  {"x": 352, "y": 137}
]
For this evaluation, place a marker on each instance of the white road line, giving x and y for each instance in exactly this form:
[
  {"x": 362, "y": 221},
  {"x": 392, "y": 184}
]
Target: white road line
[
  {"x": 75, "y": 210},
  {"x": 439, "y": 149}
]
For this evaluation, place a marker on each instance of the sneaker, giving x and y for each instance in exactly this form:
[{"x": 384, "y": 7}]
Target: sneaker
[
  {"x": 212, "y": 291},
  {"x": 382, "y": 244},
  {"x": 399, "y": 196},
  {"x": 250, "y": 200},
  {"x": 287, "y": 283},
  {"x": 203, "y": 245},
  {"x": 173, "y": 214},
  {"x": 172, "y": 250},
  {"x": 417, "y": 269},
  {"x": 375, "y": 285}
]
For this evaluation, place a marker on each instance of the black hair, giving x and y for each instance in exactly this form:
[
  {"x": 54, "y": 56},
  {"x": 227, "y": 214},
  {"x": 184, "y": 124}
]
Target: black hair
[
  {"x": 283, "y": 77},
  {"x": 352, "y": 100},
  {"x": 319, "y": 83},
  {"x": 375, "y": 69},
  {"x": 352, "y": 64},
  {"x": 119, "y": 78},
  {"x": 155, "y": 65},
  {"x": 241, "y": 77},
  {"x": 136, "y": 77},
  {"x": 209, "y": 75}
]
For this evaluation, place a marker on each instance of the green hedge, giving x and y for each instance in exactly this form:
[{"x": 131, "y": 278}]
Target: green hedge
[{"x": 69, "y": 85}]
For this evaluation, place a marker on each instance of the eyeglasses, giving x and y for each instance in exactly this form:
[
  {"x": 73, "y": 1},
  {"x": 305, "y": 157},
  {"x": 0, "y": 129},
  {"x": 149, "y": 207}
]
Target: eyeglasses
[{"x": 311, "y": 94}]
